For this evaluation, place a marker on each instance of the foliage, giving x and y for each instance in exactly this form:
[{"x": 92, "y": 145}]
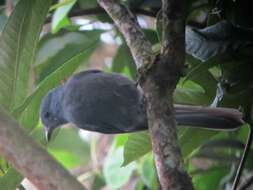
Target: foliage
[{"x": 218, "y": 72}]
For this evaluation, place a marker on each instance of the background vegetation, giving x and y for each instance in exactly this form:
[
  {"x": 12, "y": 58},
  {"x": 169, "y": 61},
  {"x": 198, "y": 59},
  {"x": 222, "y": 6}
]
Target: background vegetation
[{"x": 41, "y": 49}]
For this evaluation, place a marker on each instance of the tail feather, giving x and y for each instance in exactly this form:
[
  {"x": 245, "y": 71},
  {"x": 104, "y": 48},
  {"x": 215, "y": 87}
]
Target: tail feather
[{"x": 209, "y": 118}]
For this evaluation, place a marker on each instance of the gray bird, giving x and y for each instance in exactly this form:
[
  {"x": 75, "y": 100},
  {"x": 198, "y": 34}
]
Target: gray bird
[{"x": 110, "y": 103}]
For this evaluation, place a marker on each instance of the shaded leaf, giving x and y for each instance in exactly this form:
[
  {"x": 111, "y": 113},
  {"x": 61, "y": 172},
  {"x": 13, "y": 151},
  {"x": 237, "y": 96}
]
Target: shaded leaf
[
  {"x": 18, "y": 43},
  {"x": 200, "y": 74},
  {"x": 122, "y": 60},
  {"x": 98, "y": 183},
  {"x": 10, "y": 180},
  {"x": 3, "y": 20},
  {"x": 224, "y": 143},
  {"x": 189, "y": 96},
  {"x": 210, "y": 179},
  {"x": 85, "y": 4},
  {"x": 151, "y": 35},
  {"x": 191, "y": 139},
  {"x": 215, "y": 40}
]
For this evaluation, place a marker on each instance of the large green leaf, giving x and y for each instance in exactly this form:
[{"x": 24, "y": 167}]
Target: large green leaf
[
  {"x": 137, "y": 145},
  {"x": 55, "y": 49},
  {"x": 210, "y": 179},
  {"x": 69, "y": 149},
  {"x": 18, "y": 43},
  {"x": 200, "y": 74},
  {"x": 190, "y": 96},
  {"x": 10, "y": 180},
  {"x": 191, "y": 139},
  {"x": 148, "y": 173},
  {"x": 29, "y": 110},
  {"x": 115, "y": 174}
]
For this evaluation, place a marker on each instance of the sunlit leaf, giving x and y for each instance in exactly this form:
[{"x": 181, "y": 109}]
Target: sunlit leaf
[
  {"x": 59, "y": 16},
  {"x": 137, "y": 145},
  {"x": 148, "y": 173},
  {"x": 55, "y": 49},
  {"x": 69, "y": 149},
  {"x": 115, "y": 174}
]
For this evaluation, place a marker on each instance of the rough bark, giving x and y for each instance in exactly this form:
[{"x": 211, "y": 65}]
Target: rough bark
[
  {"x": 158, "y": 80},
  {"x": 31, "y": 160},
  {"x": 159, "y": 86}
]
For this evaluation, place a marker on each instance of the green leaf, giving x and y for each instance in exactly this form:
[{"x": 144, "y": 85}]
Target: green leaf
[
  {"x": 148, "y": 173},
  {"x": 120, "y": 140},
  {"x": 18, "y": 43},
  {"x": 137, "y": 145},
  {"x": 3, "y": 19},
  {"x": 69, "y": 149},
  {"x": 86, "y": 4},
  {"x": 191, "y": 139},
  {"x": 116, "y": 175},
  {"x": 59, "y": 16},
  {"x": 10, "y": 180},
  {"x": 60, "y": 4},
  {"x": 151, "y": 35},
  {"x": 122, "y": 60},
  {"x": 55, "y": 49},
  {"x": 200, "y": 74},
  {"x": 190, "y": 96},
  {"x": 98, "y": 182},
  {"x": 29, "y": 110},
  {"x": 209, "y": 180}
]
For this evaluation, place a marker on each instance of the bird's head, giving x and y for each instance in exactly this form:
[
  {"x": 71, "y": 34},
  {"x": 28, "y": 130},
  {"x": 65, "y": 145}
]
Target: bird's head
[{"x": 51, "y": 111}]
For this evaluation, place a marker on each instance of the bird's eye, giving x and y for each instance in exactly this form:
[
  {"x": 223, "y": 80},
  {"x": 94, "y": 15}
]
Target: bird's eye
[{"x": 47, "y": 115}]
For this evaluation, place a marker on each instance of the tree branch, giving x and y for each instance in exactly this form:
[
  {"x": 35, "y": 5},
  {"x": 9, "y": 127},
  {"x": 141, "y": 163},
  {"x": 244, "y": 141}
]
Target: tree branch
[
  {"x": 140, "y": 47},
  {"x": 158, "y": 84},
  {"x": 159, "y": 87},
  {"x": 31, "y": 160}
]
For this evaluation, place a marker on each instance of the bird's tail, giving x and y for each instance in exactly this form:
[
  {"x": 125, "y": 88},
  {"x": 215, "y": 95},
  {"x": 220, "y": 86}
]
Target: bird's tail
[{"x": 209, "y": 118}]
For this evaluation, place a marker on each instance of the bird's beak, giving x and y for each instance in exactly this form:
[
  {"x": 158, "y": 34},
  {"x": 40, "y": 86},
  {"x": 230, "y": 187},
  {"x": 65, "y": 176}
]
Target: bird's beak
[{"x": 48, "y": 133}]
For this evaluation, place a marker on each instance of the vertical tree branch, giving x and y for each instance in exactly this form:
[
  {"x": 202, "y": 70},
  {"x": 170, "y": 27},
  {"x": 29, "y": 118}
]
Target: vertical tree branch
[
  {"x": 159, "y": 82},
  {"x": 31, "y": 160},
  {"x": 159, "y": 87}
]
